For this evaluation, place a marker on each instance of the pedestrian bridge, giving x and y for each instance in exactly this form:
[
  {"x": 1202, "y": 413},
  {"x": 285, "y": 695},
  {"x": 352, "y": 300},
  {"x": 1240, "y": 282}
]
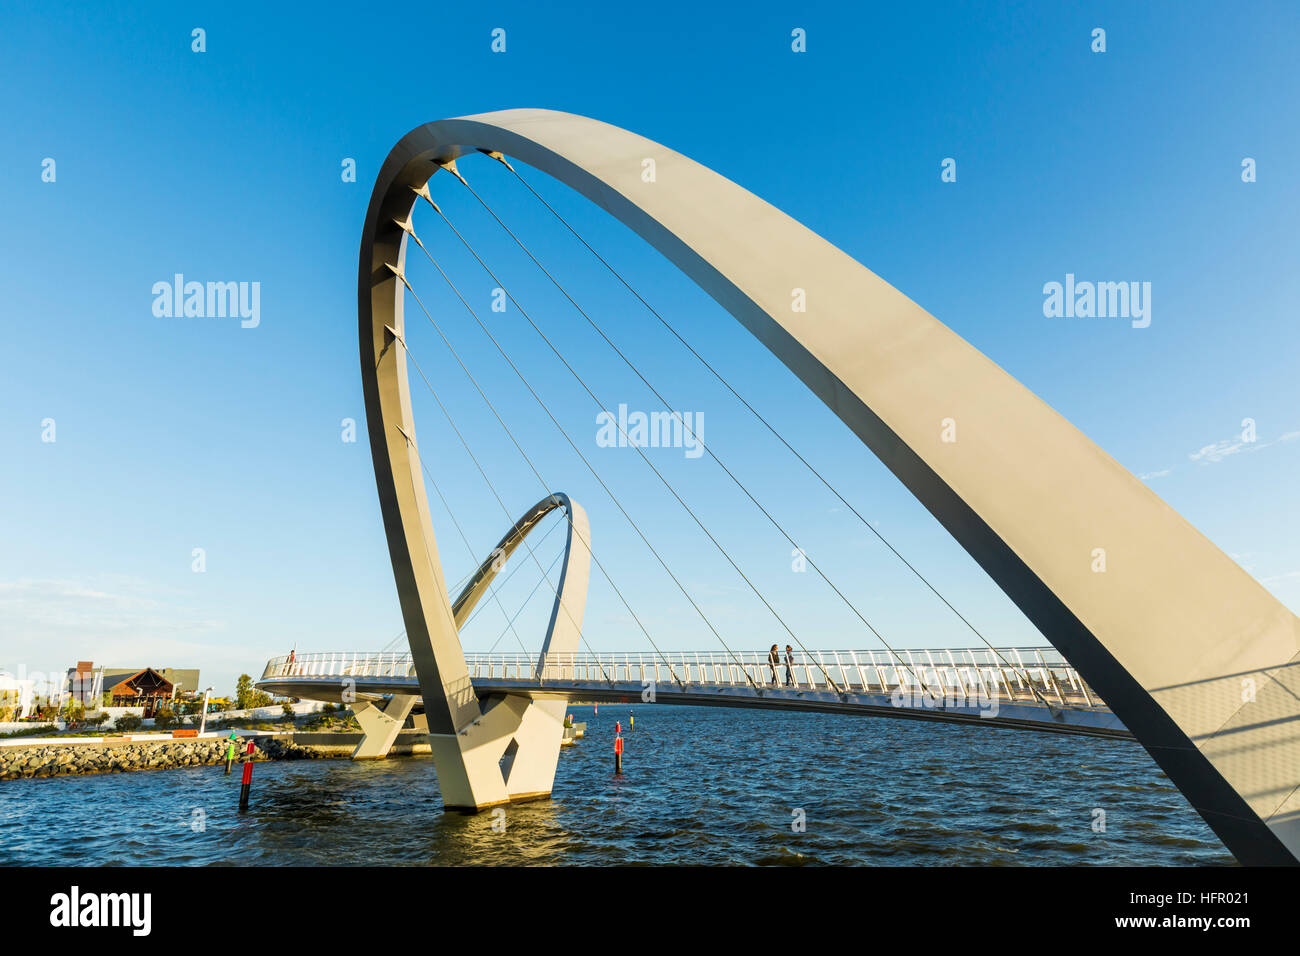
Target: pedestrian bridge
[
  {"x": 1030, "y": 688},
  {"x": 1191, "y": 654}
]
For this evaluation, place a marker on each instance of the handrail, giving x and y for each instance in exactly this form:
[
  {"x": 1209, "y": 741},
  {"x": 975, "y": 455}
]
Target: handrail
[{"x": 966, "y": 673}]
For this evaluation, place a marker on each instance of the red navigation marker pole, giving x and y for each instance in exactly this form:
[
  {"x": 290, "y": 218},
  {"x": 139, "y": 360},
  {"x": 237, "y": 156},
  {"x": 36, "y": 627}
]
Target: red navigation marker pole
[
  {"x": 247, "y": 782},
  {"x": 618, "y": 754}
]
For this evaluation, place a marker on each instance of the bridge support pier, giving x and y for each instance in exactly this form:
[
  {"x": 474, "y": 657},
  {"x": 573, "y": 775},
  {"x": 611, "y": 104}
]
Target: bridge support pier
[
  {"x": 380, "y": 725},
  {"x": 507, "y": 755},
  {"x": 530, "y": 771}
]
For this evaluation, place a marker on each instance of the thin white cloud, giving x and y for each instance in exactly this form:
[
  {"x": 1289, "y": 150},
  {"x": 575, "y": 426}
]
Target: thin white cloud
[
  {"x": 1155, "y": 474},
  {"x": 1220, "y": 450},
  {"x": 50, "y": 624}
]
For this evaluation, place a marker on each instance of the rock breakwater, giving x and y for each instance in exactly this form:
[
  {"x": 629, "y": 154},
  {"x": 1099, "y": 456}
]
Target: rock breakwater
[{"x": 57, "y": 760}]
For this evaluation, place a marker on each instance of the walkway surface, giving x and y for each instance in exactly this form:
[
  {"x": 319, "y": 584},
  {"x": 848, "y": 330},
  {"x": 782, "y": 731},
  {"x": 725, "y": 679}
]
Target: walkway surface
[{"x": 1022, "y": 688}]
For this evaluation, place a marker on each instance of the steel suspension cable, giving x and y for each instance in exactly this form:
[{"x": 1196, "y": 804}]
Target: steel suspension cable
[
  {"x": 497, "y": 585},
  {"x": 491, "y": 407},
  {"x": 460, "y": 582},
  {"x": 520, "y": 610},
  {"x": 447, "y": 414},
  {"x": 400, "y": 634},
  {"x": 513, "y": 571},
  {"x": 717, "y": 544},
  {"x": 542, "y": 404},
  {"x": 765, "y": 423},
  {"x": 468, "y": 547},
  {"x": 586, "y": 541},
  {"x": 739, "y": 484}
]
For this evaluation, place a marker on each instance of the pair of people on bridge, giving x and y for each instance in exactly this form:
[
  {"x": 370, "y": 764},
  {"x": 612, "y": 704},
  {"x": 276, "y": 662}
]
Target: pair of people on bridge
[{"x": 774, "y": 659}]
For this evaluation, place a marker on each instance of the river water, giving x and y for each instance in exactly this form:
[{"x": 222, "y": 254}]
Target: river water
[{"x": 700, "y": 785}]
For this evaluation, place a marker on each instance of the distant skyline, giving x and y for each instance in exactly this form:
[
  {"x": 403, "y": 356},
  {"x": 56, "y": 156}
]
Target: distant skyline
[{"x": 160, "y": 513}]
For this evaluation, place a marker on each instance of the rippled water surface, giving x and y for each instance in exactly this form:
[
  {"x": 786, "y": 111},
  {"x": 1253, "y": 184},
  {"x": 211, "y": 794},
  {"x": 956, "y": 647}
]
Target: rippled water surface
[{"x": 701, "y": 785}]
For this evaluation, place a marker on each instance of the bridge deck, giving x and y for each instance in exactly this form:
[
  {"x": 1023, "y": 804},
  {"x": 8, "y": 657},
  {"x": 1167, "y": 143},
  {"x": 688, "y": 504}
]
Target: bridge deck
[{"x": 1044, "y": 697}]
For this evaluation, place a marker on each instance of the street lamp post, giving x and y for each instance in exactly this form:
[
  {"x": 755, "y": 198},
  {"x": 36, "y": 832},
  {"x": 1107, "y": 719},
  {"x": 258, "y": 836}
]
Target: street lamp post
[{"x": 203, "y": 713}]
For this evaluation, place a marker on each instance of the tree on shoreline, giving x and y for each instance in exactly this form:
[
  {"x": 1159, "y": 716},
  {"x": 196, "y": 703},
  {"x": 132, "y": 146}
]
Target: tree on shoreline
[{"x": 247, "y": 696}]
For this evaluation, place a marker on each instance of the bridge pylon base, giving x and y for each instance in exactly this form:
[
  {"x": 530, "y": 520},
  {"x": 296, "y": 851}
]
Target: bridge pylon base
[
  {"x": 381, "y": 725},
  {"x": 508, "y": 755}
]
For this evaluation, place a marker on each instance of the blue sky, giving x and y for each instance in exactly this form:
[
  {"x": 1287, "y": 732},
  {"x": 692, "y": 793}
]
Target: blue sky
[{"x": 174, "y": 434}]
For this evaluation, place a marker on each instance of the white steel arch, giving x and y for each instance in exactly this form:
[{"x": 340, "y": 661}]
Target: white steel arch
[{"x": 1196, "y": 658}]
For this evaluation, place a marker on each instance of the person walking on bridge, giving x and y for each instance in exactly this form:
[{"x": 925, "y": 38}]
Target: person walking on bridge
[
  {"x": 773, "y": 659},
  {"x": 789, "y": 666}
]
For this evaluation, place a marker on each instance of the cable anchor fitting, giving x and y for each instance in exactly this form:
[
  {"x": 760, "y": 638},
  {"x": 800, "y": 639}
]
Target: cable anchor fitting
[
  {"x": 498, "y": 157},
  {"x": 423, "y": 192},
  {"x": 450, "y": 166}
]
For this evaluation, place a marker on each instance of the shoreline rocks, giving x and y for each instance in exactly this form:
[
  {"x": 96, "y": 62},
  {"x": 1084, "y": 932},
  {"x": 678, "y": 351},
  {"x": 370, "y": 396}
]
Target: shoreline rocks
[{"x": 57, "y": 760}]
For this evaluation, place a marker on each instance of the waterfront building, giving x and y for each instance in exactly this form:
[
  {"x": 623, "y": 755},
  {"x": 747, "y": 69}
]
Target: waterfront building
[{"x": 146, "y": 688}]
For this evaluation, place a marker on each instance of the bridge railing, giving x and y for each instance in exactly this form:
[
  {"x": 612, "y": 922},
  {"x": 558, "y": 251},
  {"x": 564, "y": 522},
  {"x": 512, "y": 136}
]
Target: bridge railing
[{"x": 1009, "y": 673}]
